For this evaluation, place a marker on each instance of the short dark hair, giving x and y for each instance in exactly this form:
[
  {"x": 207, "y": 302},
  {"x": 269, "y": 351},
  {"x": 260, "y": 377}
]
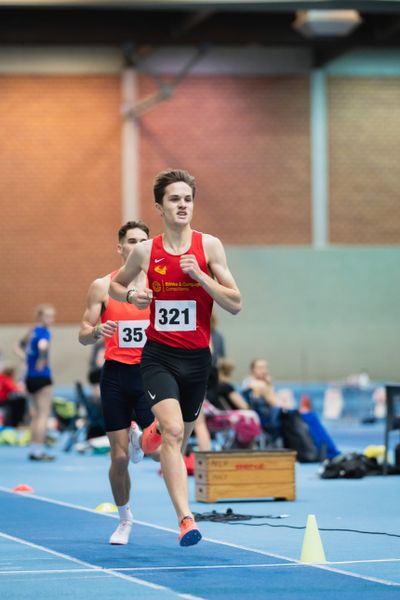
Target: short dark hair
[
  {"x": 165, "y": 178},
  {"x": 41, "y": 309},
  {"x": 225, "y": 366},
  {"x": 255, "y": 361},
  {"x": 132, "y": 225}
]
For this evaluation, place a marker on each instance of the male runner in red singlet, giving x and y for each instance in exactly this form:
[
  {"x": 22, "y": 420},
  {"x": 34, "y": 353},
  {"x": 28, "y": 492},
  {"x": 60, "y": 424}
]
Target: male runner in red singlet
[
  {"x": 186, "y": 271},
  {"x": 123, "y": 328}
]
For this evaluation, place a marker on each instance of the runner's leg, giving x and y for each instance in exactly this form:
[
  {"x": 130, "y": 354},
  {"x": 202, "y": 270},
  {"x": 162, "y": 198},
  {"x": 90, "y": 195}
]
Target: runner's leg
[
  {"x": 174, "y": 432},
  {"x": 118, "y": 473}
]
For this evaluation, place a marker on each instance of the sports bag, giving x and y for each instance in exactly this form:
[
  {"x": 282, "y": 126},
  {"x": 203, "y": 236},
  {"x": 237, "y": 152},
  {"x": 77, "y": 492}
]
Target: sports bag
[{"x": 296, "y": 436}]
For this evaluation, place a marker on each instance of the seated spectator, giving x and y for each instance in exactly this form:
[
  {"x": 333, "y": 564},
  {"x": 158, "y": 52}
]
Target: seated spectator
[
  {"x": 228, "y": 411},
  {"x": 258, "y": 391},
  {"x": 217, "y": 347},
  {"x": 12, "y": 398},
  {"x": 228, "y": 398}
]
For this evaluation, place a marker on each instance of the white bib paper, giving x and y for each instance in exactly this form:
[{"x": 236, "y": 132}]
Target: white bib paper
[
  {"x": 131, "y": 334},
  {"x": 175, "y": 315}
]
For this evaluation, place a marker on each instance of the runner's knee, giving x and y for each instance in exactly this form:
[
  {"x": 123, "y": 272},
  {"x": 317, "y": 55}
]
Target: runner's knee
[
  {"x": 172, "y": 433},
  {"x": 120, "y": 460}
]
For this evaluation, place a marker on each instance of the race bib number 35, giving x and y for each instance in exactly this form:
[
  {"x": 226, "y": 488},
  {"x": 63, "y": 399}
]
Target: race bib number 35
[
  {"x": 131, "y": 334},
  {"x": 175, "y": 315}
]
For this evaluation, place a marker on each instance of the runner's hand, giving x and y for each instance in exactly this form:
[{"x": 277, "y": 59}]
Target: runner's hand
[
  {"x": 107, "y": 329},
  {"x": 190, "y": 266},
  {"x": 142, "y": 299}
]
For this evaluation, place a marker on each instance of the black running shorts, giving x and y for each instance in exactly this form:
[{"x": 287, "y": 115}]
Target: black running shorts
[
  {"x": 35, "y": 384},
  {"x": 176, "y": 373},
  {"x": 122, "y": 396}
]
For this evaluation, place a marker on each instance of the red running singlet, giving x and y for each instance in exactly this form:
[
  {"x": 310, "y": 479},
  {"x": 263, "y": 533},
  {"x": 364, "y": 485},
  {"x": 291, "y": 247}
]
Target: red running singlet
[
  {"x": 181, "y": 310},
  {"x": 126, "y": 345}
]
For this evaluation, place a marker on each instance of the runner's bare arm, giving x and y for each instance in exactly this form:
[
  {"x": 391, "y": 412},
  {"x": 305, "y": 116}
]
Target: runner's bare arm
[
  {"x": 223, "y": 288},
  {"x": 43, "y": 347},
  {"x": 137, "y": 261},
  {"x": 91, "y": 329}
]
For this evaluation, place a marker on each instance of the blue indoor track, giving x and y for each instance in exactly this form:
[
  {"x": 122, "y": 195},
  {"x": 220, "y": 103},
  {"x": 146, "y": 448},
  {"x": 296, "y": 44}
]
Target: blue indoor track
[{"x": 54, "y": 545}]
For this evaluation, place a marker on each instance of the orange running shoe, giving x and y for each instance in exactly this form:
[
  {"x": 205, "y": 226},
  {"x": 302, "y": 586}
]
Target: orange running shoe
[
  {"x": 189, "y": 534},
  {"x": 151, "y": 438}
]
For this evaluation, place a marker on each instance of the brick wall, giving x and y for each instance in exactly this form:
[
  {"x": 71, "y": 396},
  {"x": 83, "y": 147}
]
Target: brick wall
[
  {"x": 364, "y": 151},
  {"x": 59, "y": 190},
  {"x": 246, "y": 139}
]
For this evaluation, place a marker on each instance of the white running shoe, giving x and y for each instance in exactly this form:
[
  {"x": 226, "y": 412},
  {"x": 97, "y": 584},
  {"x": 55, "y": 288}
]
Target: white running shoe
[
  {"x": 136, "y": 453},
  {"x": 120, "y": 537}
]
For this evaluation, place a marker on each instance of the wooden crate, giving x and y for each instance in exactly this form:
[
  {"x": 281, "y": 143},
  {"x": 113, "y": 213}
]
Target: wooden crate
[{"x": 237, "y": 474}]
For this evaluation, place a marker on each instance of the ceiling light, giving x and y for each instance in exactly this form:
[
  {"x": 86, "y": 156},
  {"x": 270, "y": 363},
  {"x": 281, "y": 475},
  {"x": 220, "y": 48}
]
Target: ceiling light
[{"x": 314, "y": 23}]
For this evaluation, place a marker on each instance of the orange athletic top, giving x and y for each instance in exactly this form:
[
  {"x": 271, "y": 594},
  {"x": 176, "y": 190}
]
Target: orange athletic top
[
  {"x": 126, "y": 344},
  {"x": 181, "y": 310}
]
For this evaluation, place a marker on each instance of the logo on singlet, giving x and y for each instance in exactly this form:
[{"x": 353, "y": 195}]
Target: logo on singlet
[
  {"x": 156, "y": 285},
  {"x": 157, "y": 260},
  {"x": 161, "y": 270}
]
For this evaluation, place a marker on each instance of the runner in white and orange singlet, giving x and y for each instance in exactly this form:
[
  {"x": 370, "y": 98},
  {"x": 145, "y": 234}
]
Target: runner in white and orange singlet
[
  {"x": 121, "y": 389},
  {"x": 187, "y": 271}
]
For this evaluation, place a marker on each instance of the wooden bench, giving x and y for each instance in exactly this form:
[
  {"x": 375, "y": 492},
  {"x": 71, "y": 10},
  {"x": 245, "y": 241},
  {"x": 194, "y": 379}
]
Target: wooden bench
[{"x": 237, "y": 474}]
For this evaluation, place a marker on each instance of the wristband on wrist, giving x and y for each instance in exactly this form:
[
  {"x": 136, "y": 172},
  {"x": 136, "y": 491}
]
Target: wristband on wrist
[
  {"x": 96, "y": 332},
  {"x": 129, "y": 295}
]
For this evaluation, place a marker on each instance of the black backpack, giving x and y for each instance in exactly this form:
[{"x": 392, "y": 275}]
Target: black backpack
[
  {"x": 349, "y": 466},
  {"x": 296, "y": 436}
]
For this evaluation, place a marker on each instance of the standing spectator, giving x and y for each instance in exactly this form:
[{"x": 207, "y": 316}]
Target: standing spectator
[{"x": 36, "y": 345}]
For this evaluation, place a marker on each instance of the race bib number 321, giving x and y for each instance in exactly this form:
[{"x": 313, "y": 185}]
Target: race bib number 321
[
  {"x": 131, "y": 334},
  {"x": 175, "y": 315}
]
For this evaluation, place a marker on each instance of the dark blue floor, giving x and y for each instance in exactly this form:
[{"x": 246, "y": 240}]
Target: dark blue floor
[
  {"x": 83, "y": 535},
  {"x": 258, "y": 562}
]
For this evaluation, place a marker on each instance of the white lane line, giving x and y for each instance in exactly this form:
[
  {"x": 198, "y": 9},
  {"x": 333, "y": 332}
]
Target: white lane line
[
  {"x": 59, "y": 502},
  {"x": 228, "y": 544},
  {"x": 357, "y": 576},
  {"x": 24, "y": 558},
  {"x": 372, "y": 560},
  {"x": 51, "y": 571},
  {"x": 255, "y": 565},
  {"x": 93, "y": 568},
  {"x": 192, "y": 567}
]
